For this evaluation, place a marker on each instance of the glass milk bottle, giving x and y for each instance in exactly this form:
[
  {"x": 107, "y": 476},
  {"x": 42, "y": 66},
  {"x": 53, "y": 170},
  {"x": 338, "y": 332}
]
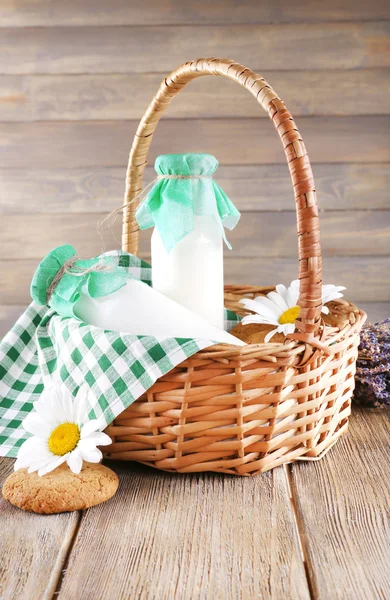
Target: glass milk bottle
[
  {"x": 189, "y": 212},
  {"x": 192, "y": 273},
  {"x": 100, "y": 292}
]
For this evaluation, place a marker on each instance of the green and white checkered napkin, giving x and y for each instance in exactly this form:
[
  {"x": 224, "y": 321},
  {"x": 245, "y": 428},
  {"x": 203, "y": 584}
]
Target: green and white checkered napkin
[{"x": 43, "y": 348}]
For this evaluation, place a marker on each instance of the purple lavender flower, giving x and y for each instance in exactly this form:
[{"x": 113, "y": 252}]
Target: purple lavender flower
[{"x": 373, "y": 366}]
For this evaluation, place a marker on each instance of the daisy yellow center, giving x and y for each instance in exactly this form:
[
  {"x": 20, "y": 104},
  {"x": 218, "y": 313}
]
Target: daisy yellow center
[
  {"x": 290, "y": 315},
  {"x": 64, "y": 439}
]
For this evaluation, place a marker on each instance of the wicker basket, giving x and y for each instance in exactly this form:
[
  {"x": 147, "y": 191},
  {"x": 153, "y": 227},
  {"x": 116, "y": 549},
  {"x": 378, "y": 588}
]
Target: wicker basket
[{"x": 244, "y": 410}]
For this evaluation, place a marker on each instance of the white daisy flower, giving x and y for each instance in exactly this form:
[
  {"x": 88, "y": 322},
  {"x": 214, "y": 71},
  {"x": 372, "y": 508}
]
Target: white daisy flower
[
  {"x": 280, "y": 307},
  {"x": 330, "y": 292},
  {"x": 61, "y": 432}
]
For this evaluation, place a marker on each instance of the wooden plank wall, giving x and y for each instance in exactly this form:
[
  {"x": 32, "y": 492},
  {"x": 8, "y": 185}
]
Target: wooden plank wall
[{"x": 75, "y": 78}]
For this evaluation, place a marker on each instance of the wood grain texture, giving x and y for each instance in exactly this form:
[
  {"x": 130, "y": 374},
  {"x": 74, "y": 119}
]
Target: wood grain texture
[
  {"x": 124, "y": 96},
  {"x": 272, "y": 234},
  {"x": 27, "y": 13},
  {"x": 258, "y": 235},
  {"x": 188, "y": 537},
  {"x": 233, "y": 141},
  {"x": 376, "y": 311},
  {"x": 364, "y": 276},
  {"x": 33, "y": 548},
  {"x": 253, "y": 187},
  {"x": 8, "y": 317},
  {"x": 342, "y": 505},
  {"x": 117, "y": 49}
]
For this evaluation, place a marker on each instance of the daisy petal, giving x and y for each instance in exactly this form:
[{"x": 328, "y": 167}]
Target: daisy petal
[
  {"x": 22, "y": 462},
  {"x": 289, "y": 328},
  {"x": 39, "y": 464},
  {"x": 81, "y": 401},
  {"x": 96, "y": 439},
  {"x": 270, "y": 335},
  {"x": 281, "y": 290},
  {"x": 37, "y": 426},
  {"x": 258, "y": 319},
  {"x": 40, "y": 454},
  {"x": 43, "y": 407},
  {"x": 31, "y": 447},
  {"x": 89, "y": 427},
  {"x": 260, "y": 308},
  {"x": 51, "y": 466},
  {"x": 248, "y": 303},
  {"x": 331, "y": 292},
  {"x": 264, "y": 307},
  {"x": 267, "y": 303},
  {"x": 68, "y": 403},
  {"x": 75, "y": 462},
  {"x": 293, "y": 293},
  {"x": 279, "y": 300},
  {"x": 93, "y": 456}
]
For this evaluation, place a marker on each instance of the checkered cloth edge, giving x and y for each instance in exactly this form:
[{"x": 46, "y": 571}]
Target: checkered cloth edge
[{"x": 43, "y": 348}]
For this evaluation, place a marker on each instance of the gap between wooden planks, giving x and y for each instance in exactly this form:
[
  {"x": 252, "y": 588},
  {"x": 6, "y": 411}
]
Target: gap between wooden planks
[
  {"x": 241, "y": 141},
  {"x": 210, "y": 536},
  {"x": 123, "y": 96},
  {"x": 142, "y": 49},
  {"x": 252, "y": 187},
  {"x": 342, "y": 507},
  {"x": 259, "y": 235},
  {"x": 142, "y": 544},
  {"x": 45, "y": 13},
  {"x": 33, "y": 548}
]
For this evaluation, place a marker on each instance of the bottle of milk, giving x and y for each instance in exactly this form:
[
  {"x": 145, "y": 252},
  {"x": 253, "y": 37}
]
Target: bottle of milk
[
  {"x": 189, "y": 212},
  {"x": 102, "y": 293}
]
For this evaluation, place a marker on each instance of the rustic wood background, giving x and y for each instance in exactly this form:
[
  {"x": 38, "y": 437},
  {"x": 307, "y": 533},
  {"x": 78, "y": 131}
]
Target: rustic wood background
[{"x": 76, "y": 76}]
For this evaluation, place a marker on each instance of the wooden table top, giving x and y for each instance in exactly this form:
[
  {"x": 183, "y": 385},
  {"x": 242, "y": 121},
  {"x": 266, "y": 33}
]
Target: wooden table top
[{"x": 308, "y": 530}]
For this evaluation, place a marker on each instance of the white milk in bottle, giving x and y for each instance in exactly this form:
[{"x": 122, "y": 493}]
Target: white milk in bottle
[
  {"x": 189, "y": 212},
  {"x": 192, "y": 273},
  {"x": 100, "y": 292}
]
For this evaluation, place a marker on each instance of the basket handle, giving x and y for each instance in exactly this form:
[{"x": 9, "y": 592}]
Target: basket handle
[{"x": 309, "y": 249}]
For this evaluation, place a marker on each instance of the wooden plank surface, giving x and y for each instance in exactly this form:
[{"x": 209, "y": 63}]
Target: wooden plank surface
[
  {"x": 233, "y": 141},
  {"x": 254, "y": 187},
  {"x": 342, "y": 506},
  {"x": 24, "y": 13},
  {"x": 258, "y": 235},
  {"x": 124, "y": 96},
  {"x": 376, "y": 311},
  {"x": 364, "y": 276},
  {"x": 117, "y": 49},
  {"x": 202, "y": 536},
  {"x": 8, "y": 317},
  {"x": 171, "y": 536},
  {"x": 33, "y": 548}
]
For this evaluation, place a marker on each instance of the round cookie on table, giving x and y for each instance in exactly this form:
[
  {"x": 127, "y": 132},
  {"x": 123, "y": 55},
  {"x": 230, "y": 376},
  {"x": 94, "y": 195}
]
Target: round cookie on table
[
  {"x": 58, "y": 464},
  {"x": 60, "y": 490}
]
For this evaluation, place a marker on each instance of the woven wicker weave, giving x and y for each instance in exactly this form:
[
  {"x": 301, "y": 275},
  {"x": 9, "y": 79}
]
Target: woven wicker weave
[{"x": 244, "y": 410}]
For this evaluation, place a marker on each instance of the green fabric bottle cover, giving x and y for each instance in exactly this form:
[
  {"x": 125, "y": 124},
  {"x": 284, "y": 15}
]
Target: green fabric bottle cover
[
  {"x": 185, "y": 188},
  {"x": 96, "y": 277}
]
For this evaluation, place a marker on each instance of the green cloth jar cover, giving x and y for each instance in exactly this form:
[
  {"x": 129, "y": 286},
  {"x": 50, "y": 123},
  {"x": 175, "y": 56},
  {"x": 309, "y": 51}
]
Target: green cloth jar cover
[
  {"x": 171, "y": 204},
  {"x": 67, "y": 291}
]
